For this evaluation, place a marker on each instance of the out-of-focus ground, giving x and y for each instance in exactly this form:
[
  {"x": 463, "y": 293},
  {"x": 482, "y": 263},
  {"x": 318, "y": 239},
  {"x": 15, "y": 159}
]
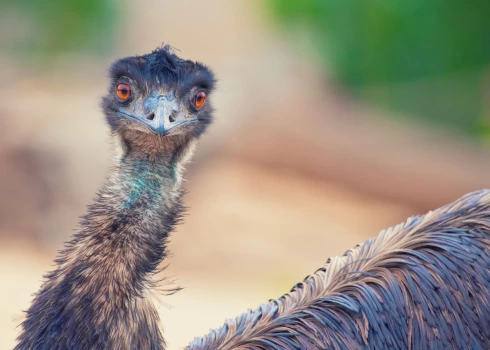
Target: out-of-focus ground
[{"x": 292, "y": 172}]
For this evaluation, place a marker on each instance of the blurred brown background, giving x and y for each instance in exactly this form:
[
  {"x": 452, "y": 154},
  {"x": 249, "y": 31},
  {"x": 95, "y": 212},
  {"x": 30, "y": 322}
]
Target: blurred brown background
[{"x": 311, "y": 152}]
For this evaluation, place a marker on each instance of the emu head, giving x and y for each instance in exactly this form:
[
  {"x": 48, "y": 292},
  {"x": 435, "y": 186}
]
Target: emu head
[{"x": 158, "y": 99}]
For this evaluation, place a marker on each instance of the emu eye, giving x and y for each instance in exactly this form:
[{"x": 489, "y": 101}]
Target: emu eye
[
  {"x": 123, "y": 92},
  {"x": 199, "y": 99}
]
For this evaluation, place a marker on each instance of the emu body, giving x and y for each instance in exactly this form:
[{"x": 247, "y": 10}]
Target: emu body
[
  {"x": 424, "y": 284},
  {"x": 98, "y": 296}
]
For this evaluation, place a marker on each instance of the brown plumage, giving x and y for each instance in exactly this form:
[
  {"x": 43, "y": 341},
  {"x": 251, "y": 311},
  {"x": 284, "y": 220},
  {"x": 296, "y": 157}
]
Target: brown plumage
[{"x": 424, "y": 284}]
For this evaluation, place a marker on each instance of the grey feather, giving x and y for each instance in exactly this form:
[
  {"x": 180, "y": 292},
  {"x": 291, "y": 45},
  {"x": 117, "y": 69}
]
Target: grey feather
[{"x": 424, "y": 284}]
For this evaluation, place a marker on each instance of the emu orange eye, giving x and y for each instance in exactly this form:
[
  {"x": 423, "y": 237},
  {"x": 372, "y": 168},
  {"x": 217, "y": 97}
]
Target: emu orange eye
[
  {"x": 123, "y": 92},
  {"x": 200, "y": 99}
]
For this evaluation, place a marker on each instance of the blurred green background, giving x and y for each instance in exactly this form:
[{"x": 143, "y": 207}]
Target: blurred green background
[
  {"x": 426, "y": 59},
  {"x": 50, "y": 27},
  {"x": 334, "y": 119}
]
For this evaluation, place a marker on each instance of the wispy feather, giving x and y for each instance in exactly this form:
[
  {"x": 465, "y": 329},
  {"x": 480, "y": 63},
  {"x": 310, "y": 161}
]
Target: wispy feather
[{"x": 424, "y": 284}]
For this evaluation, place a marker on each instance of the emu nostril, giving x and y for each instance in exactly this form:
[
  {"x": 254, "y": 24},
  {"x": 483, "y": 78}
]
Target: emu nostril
[
  {"x": 150, "y": 116},
  {"x": 171, "y": 118}
]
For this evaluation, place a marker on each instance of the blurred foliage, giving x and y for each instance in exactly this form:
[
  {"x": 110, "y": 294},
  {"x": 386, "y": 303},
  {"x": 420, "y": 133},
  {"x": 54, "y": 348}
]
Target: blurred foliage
[
  {"x": 46, "y": 28},
  {"x": 426, "y": 58}
]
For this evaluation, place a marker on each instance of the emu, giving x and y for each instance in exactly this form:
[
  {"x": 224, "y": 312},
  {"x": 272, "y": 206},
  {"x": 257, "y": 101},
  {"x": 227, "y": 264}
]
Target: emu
[
  {"x": 98, "y": 295},
  {"x": 422, "y": 284}
]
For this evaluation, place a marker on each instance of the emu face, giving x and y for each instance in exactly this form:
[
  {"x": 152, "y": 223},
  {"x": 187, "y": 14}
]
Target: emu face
[{"x": 159, "y": 95}]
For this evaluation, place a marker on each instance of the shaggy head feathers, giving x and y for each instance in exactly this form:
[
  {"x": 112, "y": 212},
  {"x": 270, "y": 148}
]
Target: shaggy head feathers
[{"x": 160, "y": 71}]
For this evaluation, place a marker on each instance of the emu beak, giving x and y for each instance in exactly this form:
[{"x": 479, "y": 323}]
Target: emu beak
[{"x": 161, "y": 115}]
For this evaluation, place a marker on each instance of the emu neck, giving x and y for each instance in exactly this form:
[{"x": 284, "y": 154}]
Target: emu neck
[
  {"x": 98, "y": 296},
  {"x": 135, "y": 211}
]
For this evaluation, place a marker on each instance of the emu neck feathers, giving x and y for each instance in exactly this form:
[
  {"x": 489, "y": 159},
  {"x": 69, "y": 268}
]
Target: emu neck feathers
[{"x": 99, "y": 294}]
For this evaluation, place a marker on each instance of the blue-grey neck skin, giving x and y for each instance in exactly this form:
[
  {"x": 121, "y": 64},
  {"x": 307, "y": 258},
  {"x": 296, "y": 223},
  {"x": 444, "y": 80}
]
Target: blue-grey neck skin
[{"x": 99, "y": 294}]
